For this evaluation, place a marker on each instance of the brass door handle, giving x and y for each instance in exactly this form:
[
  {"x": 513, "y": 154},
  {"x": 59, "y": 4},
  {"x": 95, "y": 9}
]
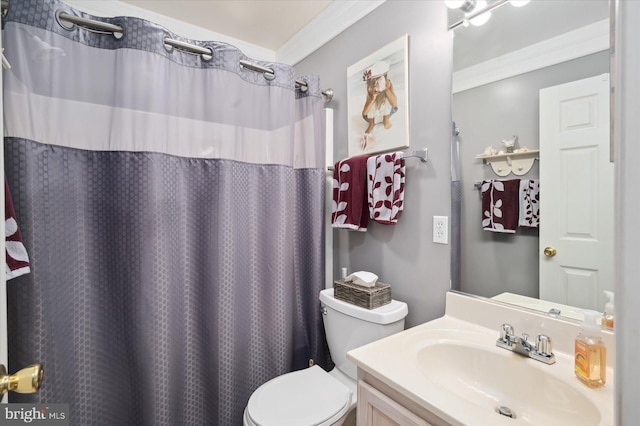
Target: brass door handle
[
  {"x": 550, "y": 251},
  {"x": 27, "y": 380}
]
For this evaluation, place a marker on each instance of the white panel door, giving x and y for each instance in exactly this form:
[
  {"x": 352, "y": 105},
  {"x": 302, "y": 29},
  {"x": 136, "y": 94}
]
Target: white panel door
[{"x": 576, "y": 193}]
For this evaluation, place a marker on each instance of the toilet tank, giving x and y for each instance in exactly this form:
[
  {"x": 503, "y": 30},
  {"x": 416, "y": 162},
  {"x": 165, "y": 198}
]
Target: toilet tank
[{"x": 348, "y": 326}]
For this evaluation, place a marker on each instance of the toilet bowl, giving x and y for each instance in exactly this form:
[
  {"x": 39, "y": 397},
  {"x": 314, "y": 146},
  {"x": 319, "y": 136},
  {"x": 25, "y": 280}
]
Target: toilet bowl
[
  {"x": 305, "y": 397},
  {"x": 314, "y": 397}
]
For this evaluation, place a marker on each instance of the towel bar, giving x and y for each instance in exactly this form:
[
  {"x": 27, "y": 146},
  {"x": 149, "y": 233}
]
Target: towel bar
[{"x": 422, "y": 154}]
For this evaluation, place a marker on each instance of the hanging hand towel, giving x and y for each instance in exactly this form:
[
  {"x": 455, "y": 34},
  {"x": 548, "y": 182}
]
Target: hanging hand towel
[
  {"x": 349, "y": 208},
  {"x": 385, "y": 184},
  {"x": 529, "y": 203},
  {"x": 17, "y": 257},
  {"x": 500, "y": 205}
]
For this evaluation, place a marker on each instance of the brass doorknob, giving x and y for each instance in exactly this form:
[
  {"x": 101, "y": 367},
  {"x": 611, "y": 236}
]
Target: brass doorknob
[
  {"x": 549, "y": 251},
  {"x": 27, "y": 380}
]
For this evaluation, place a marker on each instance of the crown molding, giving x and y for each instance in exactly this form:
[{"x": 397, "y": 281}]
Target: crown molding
[
  {"x": 337, "y": 17},
  {"x": 574, "y": 44}
]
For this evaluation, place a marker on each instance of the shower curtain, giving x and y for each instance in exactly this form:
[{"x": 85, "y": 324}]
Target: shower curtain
[{"x": 172, "y": 207}]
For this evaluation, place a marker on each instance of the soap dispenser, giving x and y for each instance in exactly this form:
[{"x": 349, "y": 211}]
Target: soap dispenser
[
  {"x": 590, "y": 361},
  {"x": 607, "y": 316}
]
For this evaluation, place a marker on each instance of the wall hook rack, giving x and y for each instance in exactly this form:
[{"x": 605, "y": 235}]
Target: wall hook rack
[{"x": 518, "y": 163}]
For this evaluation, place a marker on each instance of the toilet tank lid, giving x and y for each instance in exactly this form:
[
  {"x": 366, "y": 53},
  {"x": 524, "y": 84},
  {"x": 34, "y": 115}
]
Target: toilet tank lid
[{"x": 385, "y": 314}]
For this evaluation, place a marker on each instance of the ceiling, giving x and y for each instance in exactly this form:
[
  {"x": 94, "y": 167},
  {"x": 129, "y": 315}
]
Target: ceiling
[{"x": 265, "y": 23}]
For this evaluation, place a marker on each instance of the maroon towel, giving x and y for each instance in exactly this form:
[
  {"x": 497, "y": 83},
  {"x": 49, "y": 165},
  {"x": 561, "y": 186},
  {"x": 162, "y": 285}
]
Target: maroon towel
[
  {"x": 350, "y": 209},
  {"x": 17, "y": 257},
  {"x": 500, "y": 205}
]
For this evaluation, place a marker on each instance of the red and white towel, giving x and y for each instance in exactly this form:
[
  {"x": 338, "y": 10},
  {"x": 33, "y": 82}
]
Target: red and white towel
[
  {"x": 349, "y": 209},
  {"x": 385, "y": 184},
  {"x": 529, "y": 199},
  {"x": 17, "y": 257},
  {"x": 500, "y": 205}
]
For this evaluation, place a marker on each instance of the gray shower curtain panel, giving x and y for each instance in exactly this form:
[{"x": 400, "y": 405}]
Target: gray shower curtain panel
[{"x": 176, "y": 245}]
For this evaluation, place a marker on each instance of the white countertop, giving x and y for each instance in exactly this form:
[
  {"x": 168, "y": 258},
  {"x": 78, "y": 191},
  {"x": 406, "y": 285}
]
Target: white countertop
[{"x": 476, "y": 321}]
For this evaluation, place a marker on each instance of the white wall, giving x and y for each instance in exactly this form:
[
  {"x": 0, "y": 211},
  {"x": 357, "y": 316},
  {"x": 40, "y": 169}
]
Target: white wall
[{"x": 627, "y": 152}]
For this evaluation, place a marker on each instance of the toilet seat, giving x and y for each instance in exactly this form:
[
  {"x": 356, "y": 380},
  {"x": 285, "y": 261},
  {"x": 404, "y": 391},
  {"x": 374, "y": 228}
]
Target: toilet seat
[{"x": 310, "y": 397}]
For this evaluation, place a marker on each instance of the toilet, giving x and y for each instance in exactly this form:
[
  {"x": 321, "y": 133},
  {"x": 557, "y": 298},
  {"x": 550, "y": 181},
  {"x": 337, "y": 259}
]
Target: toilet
[{"x": 313, "y": 397}]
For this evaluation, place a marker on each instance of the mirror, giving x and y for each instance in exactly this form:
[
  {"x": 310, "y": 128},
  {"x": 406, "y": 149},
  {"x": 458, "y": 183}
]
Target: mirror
[{"x": 499, "y": 69}]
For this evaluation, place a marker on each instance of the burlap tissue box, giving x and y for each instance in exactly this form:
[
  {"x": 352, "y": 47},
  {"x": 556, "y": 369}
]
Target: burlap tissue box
[{"x": 365, "y": 297}]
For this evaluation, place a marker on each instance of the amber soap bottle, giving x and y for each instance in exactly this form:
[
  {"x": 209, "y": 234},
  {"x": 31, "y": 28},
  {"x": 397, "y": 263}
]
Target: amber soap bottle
[{"x": 590, "y": 360}]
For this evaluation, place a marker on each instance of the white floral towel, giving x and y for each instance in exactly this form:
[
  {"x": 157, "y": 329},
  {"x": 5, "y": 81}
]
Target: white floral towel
[
  {"x": 385, "y": 186},
  {"x": 529, "y": 203}
]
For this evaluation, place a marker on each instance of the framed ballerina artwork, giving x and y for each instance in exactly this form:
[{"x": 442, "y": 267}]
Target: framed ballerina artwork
[{"x": 378, "y": 100}]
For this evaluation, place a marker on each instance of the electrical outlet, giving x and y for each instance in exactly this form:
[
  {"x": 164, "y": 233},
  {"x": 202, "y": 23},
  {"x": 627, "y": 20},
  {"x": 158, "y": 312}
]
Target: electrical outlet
[{"x": 441, "y": 229}]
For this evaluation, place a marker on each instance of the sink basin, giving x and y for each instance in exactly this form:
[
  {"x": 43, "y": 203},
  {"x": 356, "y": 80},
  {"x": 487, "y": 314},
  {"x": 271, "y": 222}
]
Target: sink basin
[
  {"x": 492, "y": 378},
  {"x": 450, "y": 371}
]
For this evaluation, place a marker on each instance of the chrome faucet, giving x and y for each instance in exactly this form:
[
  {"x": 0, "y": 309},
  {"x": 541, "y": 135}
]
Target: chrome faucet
[{"x": 541, "y": 351}]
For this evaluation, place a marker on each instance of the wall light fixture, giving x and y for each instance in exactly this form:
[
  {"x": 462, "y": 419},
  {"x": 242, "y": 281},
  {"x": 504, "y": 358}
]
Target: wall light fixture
[{"x": 478, "y": 12}]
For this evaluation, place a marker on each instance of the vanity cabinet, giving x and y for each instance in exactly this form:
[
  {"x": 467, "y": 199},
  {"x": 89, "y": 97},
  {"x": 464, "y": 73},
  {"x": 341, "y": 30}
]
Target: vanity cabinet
[
  {"x": 377, "y": 409},
  {"x": 380, "y": 405}
]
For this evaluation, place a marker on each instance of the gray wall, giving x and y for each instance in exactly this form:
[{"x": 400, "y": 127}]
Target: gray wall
[
  {"x": 494, "y": 263},
  {"x": 402, "y": 255}
]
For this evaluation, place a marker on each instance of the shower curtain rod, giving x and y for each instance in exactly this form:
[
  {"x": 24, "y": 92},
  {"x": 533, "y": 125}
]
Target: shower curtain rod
[
  {"x": 64, "y": 19},
  {"x": 269, "y": 74}
]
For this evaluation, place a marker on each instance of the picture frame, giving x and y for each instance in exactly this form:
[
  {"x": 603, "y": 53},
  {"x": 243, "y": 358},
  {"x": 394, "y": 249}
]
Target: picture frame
[{"x": 378, "y": 100}]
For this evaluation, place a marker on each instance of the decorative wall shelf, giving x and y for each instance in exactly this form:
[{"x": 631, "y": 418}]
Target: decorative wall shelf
[{"x": 518, "y": 163}]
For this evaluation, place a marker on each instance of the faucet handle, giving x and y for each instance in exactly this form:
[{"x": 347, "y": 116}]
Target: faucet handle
[
  {"x": 543, "y": 345},
  {"x": 505, "y": 331}
]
